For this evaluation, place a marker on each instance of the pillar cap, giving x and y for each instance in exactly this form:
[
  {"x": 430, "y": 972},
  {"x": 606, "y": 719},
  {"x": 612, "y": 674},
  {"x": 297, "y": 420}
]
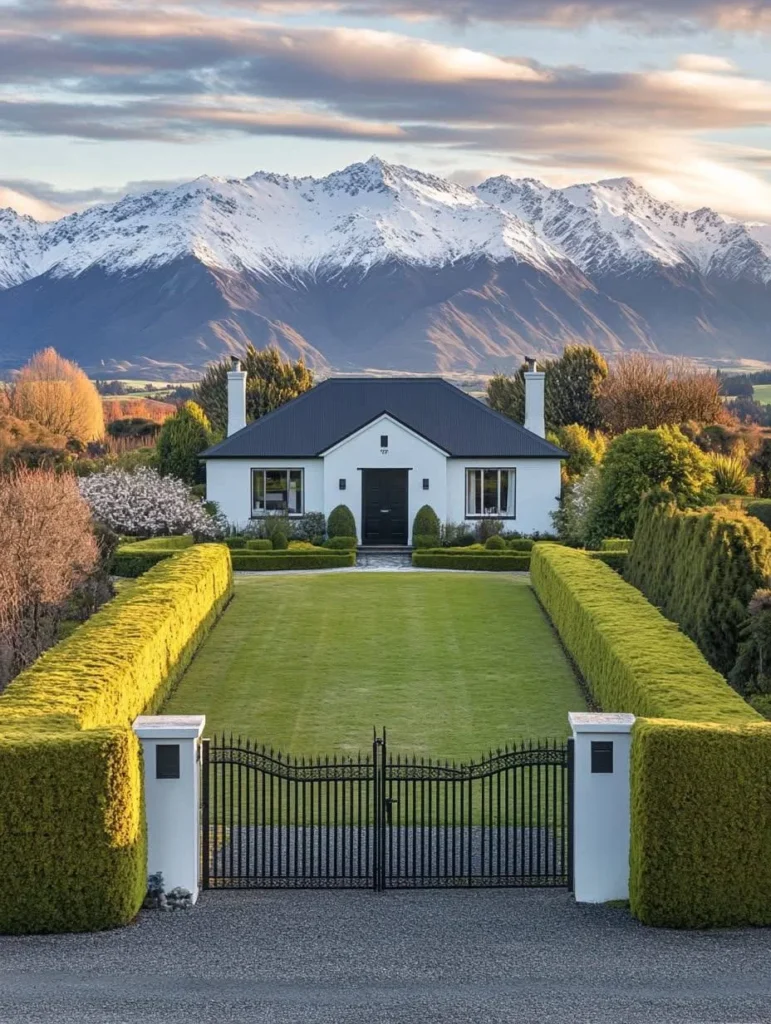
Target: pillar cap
[
  {"x": 585, "y": 721},
  {"x": 169, "y": 727}
]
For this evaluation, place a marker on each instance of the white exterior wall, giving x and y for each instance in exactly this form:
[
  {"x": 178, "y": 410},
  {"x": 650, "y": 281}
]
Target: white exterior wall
[
  {"x": 600, "y": 809},
  {"x": 538, "y": 491},
  {"x": 406, "y": 450},
  {"x": 172, "y": 805},
  {"x": 229, "y": 483}
]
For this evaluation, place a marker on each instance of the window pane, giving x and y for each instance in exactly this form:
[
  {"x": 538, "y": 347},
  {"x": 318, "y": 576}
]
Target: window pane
[
  {"x": 491, "y": 492},
  {"x": 258, "y": 490},
  {"x": 504, "y": 508},
  {"x": 295, "y": 491},
  {"x": 473, "y": 492},
  {"x": 276, "y": 492}
]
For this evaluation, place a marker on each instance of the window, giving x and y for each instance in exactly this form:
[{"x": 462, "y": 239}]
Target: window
[
  {"x": 425, "y": 483},
  {"x": 342, "y": 483},
  {"x": 491, "y": 492},
  {"x": 277, "y": 490},
  {"x": 384, "y": 440}
]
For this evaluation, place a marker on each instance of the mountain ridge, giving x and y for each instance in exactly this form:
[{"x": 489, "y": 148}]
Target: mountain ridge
[{"x": 485, "y": 273}]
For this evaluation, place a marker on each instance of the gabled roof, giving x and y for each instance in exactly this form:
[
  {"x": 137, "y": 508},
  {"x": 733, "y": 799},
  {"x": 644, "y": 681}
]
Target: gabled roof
[{"x": 333, "y": 410}]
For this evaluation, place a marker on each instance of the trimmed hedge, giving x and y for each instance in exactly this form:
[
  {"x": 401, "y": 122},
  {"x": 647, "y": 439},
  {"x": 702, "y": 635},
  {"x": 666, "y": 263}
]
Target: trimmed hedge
[
  {"x": 487, "y": 561},
  {"x": 278, "y": 561},
  {"x": 72, "y": 840},
  {"x": 634, "y": 659},
  {"x": 136, "y": 557},
  {"x": 520, "y": 544},
  {"x": 701, "y": 567},
  {"x": 616, "y": 544},
  {"x": 259, "y": 544},
  {"x": 615, "y": 559},
  {"x": 341, "y": 544},
  {"x": 760, "y": 508},
  {"x": 341, "y": 522},
  {"x": 701, "y": 757},
  {"x": 701, "y": 824}
]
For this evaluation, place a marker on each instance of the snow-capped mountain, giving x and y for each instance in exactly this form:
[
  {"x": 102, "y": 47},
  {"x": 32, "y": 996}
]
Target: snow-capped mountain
[{"x": 381, "y": 266}]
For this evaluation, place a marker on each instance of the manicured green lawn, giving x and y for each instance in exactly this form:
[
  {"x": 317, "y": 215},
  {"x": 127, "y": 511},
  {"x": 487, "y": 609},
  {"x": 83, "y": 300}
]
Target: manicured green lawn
[{"x": 452, "y": 665}]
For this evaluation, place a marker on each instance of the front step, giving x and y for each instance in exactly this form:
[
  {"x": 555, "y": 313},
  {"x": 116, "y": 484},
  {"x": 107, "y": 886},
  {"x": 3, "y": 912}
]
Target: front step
[{"x": 384, "y": 549}]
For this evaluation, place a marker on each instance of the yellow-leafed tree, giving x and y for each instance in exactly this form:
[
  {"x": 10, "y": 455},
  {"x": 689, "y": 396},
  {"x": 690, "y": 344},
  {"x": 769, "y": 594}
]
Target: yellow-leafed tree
[{"x": 56, "y": 393}]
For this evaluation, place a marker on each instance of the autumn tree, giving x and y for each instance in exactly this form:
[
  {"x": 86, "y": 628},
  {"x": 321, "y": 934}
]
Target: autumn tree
[
  {"x": 57, "y": 394},
  {"x": 48, "y": 549},
  {"x": 572, "y": 389},
  {"x": 271, "y": 381},
  {"x": 643, "y": 392}
]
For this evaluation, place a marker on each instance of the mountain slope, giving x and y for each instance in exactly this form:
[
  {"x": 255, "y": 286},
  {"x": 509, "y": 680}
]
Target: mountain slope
[{"x": 378, "y": 266}]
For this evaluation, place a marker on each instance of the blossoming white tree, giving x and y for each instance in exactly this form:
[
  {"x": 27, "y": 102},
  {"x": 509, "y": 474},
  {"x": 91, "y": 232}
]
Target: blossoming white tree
[{"x": 145, "y": 504}]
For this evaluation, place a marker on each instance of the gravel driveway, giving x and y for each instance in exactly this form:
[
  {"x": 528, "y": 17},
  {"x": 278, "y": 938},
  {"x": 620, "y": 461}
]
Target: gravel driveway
[{"x": 432, "y": 956}]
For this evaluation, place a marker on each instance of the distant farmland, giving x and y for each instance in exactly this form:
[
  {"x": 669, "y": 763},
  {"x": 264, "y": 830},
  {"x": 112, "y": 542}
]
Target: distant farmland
[{"x": 763, "y": 393}]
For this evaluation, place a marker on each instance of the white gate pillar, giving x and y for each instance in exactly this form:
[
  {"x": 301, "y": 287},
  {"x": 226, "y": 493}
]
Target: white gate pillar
[
  {"x": 601, "y": 806},
  {"x": 171, "y": 752}
]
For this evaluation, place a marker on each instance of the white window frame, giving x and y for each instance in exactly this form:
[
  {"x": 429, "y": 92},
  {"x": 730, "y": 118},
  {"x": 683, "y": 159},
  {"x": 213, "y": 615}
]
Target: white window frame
[
  {"x": 512, "y": 472},
  {"x": 261, "y": 513}
]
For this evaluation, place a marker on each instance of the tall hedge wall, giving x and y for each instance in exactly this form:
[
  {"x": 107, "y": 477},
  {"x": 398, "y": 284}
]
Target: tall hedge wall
[
  {"x": 701, "y": 757},
  {"x": 72, "y": 841},
  {"x": 701, "y": 567}
]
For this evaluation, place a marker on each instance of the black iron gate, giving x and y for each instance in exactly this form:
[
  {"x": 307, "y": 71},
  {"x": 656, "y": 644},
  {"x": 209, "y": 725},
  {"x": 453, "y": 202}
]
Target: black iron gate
[{"x": 379, "y": 822}]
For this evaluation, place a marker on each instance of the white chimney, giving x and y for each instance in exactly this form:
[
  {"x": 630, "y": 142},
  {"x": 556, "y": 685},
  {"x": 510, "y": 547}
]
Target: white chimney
[
  {"x": 535, "y": 399},
  {"x": 236, "y": 396}
]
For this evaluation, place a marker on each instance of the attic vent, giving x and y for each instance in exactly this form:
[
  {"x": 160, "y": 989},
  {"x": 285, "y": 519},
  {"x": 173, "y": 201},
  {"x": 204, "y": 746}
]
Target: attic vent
[{"x": 384, "y": 440}]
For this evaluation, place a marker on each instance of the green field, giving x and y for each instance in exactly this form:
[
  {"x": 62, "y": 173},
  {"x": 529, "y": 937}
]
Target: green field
[
  {"x": 452, "y": 665},
  {"x": 762, "y": 393}
]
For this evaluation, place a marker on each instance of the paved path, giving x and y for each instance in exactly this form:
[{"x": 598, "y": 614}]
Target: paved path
[{"x": 359, "y": 958}]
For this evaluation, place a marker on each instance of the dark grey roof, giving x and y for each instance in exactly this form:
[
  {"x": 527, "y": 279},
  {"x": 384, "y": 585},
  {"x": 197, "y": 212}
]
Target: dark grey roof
[{"x": 333, "y": 410}]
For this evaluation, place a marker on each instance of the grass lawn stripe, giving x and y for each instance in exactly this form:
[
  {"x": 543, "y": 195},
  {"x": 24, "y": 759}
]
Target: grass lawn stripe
[{"x": 452, "y": 665}]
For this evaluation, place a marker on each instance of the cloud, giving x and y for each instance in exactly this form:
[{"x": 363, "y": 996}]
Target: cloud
[
  {"x": 28, "y": 204},
  {"x": 704, "y": 62},
  {"x": 180, "y": 74}
]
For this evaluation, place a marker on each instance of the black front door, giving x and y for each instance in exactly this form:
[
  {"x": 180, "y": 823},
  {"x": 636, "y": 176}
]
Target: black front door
[{"x": 384, "y": 501}]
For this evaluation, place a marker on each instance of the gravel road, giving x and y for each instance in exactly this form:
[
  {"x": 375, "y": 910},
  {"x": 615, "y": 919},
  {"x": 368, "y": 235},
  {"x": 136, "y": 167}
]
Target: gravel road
[{"x": 427, "y": 957}]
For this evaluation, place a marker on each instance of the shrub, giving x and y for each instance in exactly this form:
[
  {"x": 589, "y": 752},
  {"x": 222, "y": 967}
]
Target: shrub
[
  {"x": 144, "y": 503},
  {"x": 616, "y": 544},
  {"x": 424, "y": 540},
  {"x": 341, "y": 522},
  {"x": 74, "y": 846},
  {"x": 520, "y": 544},
  {"x": 237, "y": 543},
  {"x": 760, "y": 509},
  {"x": 701, "y": 568},
  {"x": 56, "y": 393},
  {"x": 444, "y": 558},
  {"x": 341, "y": 543},
  {"x": 311, "y": 526},
  {"x": 752, "y": 671},
  {"x": 731, "y": 473},
  {"x": 585, "y": 449},
  {"x": 638, "y": 462},
  {"x": 615, "y": 559},
  {"x": 574, "y": 518},
  {"x": 134, "y": 559},
  {"x": 455, "y": 535},
  {"x": 276, "y": 561},
  {"x": 495, "y": 543},
  {"x": 259, "y": 544},
  {"x": 279, "y": 540},
  {"x": 182, "y": 439},
  {"x": 426, "y": 524},
  {"x": 486, "y": 528}
]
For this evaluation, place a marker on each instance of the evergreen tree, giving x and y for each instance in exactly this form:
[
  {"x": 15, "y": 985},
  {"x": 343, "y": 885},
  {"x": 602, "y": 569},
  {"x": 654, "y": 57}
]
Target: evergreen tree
[
  {"x": 270, "y": 382},
  {"x": 572, "y": 389},
  {"x": 182, "y": 439}
]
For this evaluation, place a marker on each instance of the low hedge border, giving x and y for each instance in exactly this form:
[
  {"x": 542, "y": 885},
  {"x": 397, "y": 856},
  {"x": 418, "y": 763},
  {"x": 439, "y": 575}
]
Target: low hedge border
[
  {"x": 615, "y": 559},
  {"x": 278, "y": 561},
  {"x": 134, "y": 558},
  {"x": 701, "y": 757},
  {"x": 72, "y": 835},
  {"x": 488, "y": 561}
]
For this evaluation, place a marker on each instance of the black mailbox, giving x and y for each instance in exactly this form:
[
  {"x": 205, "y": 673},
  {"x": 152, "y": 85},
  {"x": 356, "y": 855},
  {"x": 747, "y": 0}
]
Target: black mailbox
[
  {"x": 602, "y": 757},
  {"x": 167, "y": 761}
]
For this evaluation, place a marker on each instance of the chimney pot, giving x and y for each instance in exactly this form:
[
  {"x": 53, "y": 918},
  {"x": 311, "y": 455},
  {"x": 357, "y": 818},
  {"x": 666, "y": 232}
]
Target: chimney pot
[{"x": 235, "y": 363}]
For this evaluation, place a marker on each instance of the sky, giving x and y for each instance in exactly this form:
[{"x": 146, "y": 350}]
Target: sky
[{"x": 101, "y": 97}]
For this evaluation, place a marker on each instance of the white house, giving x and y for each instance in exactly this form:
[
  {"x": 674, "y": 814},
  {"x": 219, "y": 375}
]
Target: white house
[{"x": 384, "y": 447}]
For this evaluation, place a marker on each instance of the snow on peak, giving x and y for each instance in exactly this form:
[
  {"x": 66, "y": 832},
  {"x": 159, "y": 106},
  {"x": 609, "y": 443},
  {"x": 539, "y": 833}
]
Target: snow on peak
[{"x": 375, "y": 212}]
